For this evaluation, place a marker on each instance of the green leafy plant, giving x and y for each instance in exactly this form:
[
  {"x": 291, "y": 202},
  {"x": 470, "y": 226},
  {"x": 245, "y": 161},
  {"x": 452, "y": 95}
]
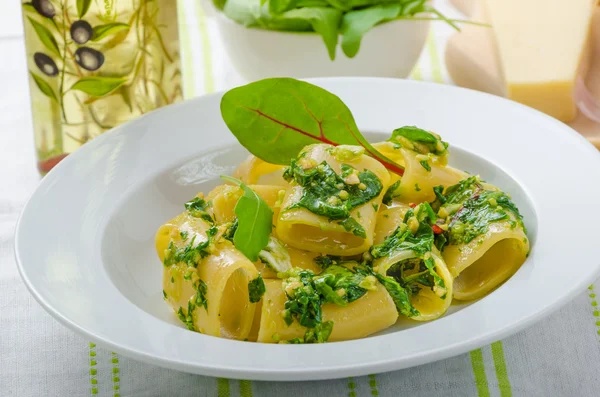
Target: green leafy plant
[
  {"x": 276, "y": 118},
  {"x": 254, "y": 221},
  {"x": 351, "y": 19}
]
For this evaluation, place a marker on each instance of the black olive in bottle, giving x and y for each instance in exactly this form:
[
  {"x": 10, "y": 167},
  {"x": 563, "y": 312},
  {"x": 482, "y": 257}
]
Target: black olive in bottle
[
  {"x": 44, "y": 7},
  {"x": 81, "y": 32},
  {"x": 89, "y": 59},
  {"x": 45, "y": 64}
]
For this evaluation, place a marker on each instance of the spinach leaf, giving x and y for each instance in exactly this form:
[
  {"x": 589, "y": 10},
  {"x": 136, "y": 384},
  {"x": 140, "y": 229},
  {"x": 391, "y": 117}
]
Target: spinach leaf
[
  {"x": 399, "y": 295},
  {"x": 419, "y": 140},
  {"x": 472, "y": 209},
  {"x": 325, "y": 193},
  {"x": 391, "y": 193},
  {"x": 254, "y": 222},
  {"x": 276, "y": 118},
  {"x": 256, "y": 289},
  {"x": 358, "y": 22},
  {"x": 324, "y": 21}
]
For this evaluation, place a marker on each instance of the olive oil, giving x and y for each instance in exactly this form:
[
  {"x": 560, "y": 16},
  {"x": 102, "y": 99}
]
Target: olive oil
[{"x": 94, "y": 64}]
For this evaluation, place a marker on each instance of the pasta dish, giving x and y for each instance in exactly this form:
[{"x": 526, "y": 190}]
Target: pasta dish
[{"x": 332, "y": 238}]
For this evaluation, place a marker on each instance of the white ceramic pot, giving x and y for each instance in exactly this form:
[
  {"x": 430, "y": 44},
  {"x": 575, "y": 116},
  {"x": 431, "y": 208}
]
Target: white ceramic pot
[{"x": 388, "y": 50}]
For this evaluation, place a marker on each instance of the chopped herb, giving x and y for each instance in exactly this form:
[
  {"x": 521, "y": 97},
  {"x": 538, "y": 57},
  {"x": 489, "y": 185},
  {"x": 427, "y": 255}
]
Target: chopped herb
[
  {"x": 190, "y": 254},
  {"x": 417, "y": 188},
  {"x": 187, "y": 276},
  {"x": 318, "y": 334},
  {"x": 172, "y": 280},
  {"x": 425, "y": 165},
  {"x": 391, "y": 193},
  {"x": 184, "y": 235},
  {"x": 230, "y": 230},
  {"x": 164, "y": 294},
  {"x": 256, "y": 289},
  {"x": 197, "y": 208},
  {"x": 322, "y": 188},
  {"x": 376, "y": 207},
  {"x": 399, "y": 295},
  {"x": 187, "y": 318},
  {"x": 324, "y": 261},
  {"x": 212, "y": 231},
  {"x": 201, "y": 291}
]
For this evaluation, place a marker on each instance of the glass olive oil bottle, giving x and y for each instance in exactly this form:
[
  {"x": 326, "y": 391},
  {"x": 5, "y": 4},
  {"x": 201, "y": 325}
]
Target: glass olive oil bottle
[{"x": 94, "y": 64}]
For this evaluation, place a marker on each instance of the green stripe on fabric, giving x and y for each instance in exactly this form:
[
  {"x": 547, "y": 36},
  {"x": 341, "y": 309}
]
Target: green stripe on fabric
[
  {"x": 373, "y": 385},
  {"x": 222, "y": 387},
  {"x": 594, "y": 303},
  {"x": 209, "y": 81},
  {"x": 93, "y": 370},
  {"x": 417, "y": 74},
  {"x": 186, "y": 52},
  {"x": 479, "y": 372},
  {"x": 351, "y": 387},
  {"x": 436, "y": 70},
  {"x": 245, "y": 388},
  {"x": 501, "y": 372},
  {"x": 114, "y": 360}
]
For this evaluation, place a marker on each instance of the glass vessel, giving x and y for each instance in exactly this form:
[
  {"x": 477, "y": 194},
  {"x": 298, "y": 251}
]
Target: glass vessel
[{"x": 94, "y": 64}]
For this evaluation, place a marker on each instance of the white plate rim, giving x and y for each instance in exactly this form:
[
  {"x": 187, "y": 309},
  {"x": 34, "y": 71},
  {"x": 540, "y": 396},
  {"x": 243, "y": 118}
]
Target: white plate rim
[{"x": 333, "y": 371}]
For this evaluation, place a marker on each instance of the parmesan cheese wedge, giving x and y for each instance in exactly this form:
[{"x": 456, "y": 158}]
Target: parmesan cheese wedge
[{"x": 533, "y": 54}]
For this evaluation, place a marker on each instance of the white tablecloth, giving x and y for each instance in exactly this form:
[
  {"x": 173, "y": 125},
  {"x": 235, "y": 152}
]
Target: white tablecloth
[{"x": 559, "y": 356}]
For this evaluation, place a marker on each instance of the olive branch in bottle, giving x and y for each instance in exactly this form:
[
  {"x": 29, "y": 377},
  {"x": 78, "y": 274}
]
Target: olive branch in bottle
[{"x": 78, "y": 59}]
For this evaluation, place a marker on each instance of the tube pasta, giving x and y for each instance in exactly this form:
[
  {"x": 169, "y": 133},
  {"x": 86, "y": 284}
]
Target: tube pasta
[
  {"x": 487, "y": 261},
  {"x": 254, "y": 171},
  {"x": 373, "y": 312},
  {"x": 417, "y": 183},
  {"x": 306, "y": 230},
  {"x": 349, "y": 248},
  {"x": 226, "y": 274}
]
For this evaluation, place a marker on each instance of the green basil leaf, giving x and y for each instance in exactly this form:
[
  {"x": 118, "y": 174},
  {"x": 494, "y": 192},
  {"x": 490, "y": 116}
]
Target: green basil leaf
[
  {"x": 82, "y": 7},
  {"x": 255, "y": 221},
  {"x": 276, "y": 118},
  {"x": 356, "y": 23},
  {"x": 98, "y": 86},
  {"x": 43, "y": 86},
  {"x": 102, "y": 31},
  {"x": 45, "y": 36}
]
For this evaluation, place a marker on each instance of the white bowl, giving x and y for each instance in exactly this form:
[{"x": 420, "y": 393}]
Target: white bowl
[
  {"x": 388, "y": 50},
  {"x": 85, "y": 241}
]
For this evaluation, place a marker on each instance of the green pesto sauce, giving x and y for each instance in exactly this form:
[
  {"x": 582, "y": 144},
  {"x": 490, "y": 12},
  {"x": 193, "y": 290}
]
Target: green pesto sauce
[{"x": 256, "y": 289}]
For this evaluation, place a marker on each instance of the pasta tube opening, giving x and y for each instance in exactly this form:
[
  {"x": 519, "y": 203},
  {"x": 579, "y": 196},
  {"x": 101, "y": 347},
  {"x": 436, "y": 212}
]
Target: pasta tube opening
[
  {"x": 235, "y": 320},
  {"x": 495, "y": 266}
]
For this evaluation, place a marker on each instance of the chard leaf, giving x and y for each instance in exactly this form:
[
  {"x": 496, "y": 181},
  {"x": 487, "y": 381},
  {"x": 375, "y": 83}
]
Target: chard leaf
[
  {"x": 255, "y": 222},
  {"x": 276, "y": 118},
  {"x": 356, "y": 23}
]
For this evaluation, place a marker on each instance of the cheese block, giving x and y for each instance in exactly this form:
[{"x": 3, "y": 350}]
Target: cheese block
[
  {"x": 542, "y": 48},
  {"x": 472, "y": 61}
]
